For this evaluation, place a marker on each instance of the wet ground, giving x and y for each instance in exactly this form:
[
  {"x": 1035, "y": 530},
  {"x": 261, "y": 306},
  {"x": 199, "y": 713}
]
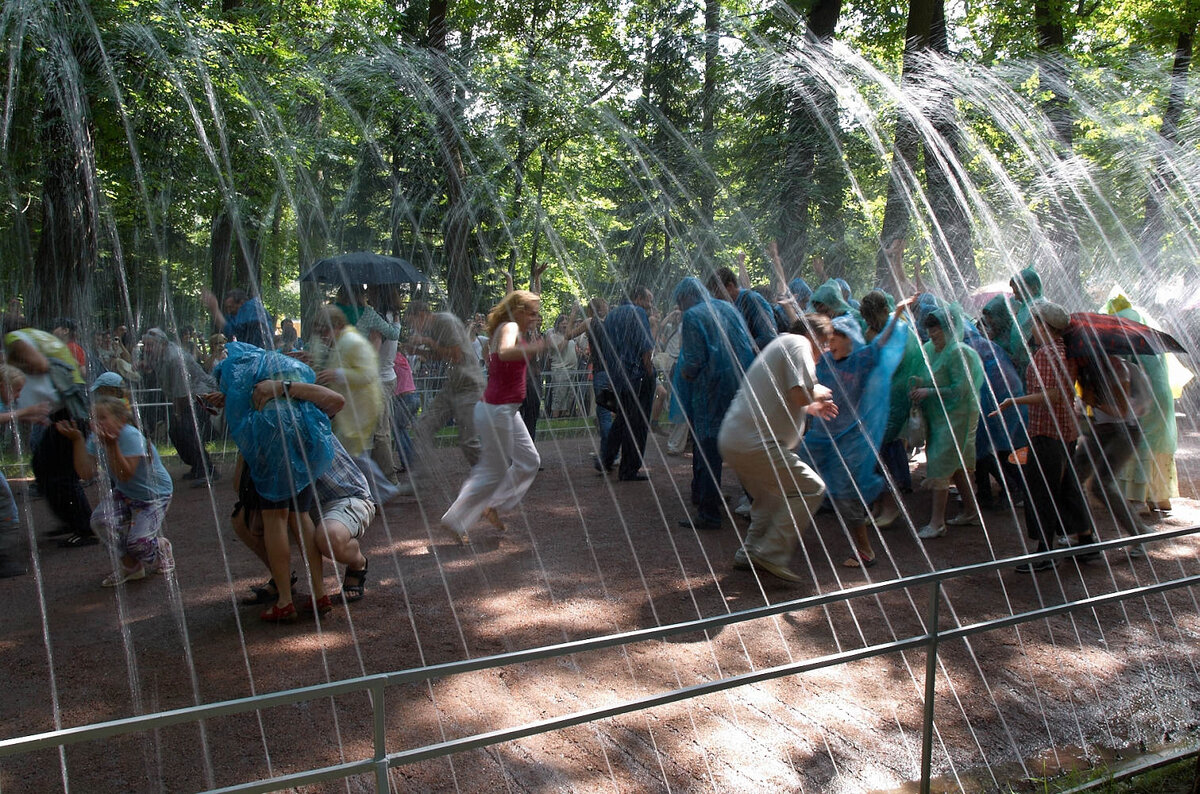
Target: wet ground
[{"x": 587, "y": 557}]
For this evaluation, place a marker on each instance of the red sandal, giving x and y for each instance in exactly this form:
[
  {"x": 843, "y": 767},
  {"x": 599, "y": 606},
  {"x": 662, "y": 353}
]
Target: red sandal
[
  {"x": 324, "y": 604},
  {"x": 278, "y": 614}
]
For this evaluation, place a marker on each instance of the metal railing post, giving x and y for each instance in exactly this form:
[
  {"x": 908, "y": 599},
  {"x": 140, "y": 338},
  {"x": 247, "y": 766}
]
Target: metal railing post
[
  {"x": 935, "y": 597},
  {"x": 380, "y": 720}
]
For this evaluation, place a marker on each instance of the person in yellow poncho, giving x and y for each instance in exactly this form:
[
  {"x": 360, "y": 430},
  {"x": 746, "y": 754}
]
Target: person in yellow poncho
[
  {"x": 1151, "y": 477},
  {"x": 352, "y": 370}
]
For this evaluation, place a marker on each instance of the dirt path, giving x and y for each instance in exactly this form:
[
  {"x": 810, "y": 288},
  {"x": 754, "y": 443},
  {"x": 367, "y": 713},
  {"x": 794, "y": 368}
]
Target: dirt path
[{"x": 589, "y": 557}]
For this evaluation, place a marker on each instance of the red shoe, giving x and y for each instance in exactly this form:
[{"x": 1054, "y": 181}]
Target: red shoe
[
  {"x": 324, "y": 604},
  {"x": 278, "y": 614}
]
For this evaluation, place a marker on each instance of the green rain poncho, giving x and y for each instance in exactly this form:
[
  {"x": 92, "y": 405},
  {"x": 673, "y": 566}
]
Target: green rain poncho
[
  {"x": 911, "y": 369},
  {"x": 1151, "y": 475},
  {"x": 829, "y": 295},
  {"x": 1027, "y": 289},
  {"x": 952, "y": 414},
  {"x": 1001, "y": 317}
]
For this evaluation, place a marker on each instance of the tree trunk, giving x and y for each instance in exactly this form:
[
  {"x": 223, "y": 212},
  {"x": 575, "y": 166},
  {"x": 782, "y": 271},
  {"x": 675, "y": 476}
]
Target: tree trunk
[
  {"x": 889, "y": 262},
  {"x": 456, "y": 226},
  {"x": 1062, "y": 268},
  {"x": 312, "y": 231},
  {"x": 67, "y": 247},
  {"x": 708, "y": 131},
  {"x": 813, "y": 170},
  {"x": 953, "y": 241},
  {"x": 221, "y": 252},
  {"x": 1153, "y": 224}
]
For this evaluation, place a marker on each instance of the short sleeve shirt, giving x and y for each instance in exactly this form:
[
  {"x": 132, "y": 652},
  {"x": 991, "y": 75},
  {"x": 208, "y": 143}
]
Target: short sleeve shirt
[
  {"x": 761, "y": 413},
  {"x": 446, "y": 330},
  {"x": 1050, "y": 371},
  {"x": 150, "y": 481}
]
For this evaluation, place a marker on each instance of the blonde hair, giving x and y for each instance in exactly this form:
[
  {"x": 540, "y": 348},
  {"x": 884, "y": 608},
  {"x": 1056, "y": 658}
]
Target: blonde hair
[
  {"x": 11, "y": 376},
  {"x": 502, "y": 312},
  {"x": 114, "y": 406}
]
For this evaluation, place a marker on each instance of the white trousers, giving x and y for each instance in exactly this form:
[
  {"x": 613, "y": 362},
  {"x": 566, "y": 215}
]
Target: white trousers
[{"x": 508, "y": 463}]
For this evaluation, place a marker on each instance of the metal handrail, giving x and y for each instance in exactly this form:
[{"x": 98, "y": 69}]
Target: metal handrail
[{"x": 381, "y": 761}]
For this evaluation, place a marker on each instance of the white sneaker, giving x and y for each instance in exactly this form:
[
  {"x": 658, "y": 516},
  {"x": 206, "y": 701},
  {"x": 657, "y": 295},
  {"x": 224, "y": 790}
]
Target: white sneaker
[
  {"x": 166, "y": 557},
  {"x": 124, "y": 575},
  {"x": 743, "y": 507},
  {"x": 927, "y": 532}
]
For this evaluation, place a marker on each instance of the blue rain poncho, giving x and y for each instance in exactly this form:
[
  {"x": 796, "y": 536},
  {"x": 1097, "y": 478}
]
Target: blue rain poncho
[
  {"x": 1006, "y": 431},
  {"x": 760, "y": 320},
  {"x": 844, "y": 450},
  {"x": 289, "y": 443},
  {"x": 715, "y": 350},
  {"x": 952, "y": 414},
  {"x": 847, "y": 294},
  {"x": 800, "y": 291}
]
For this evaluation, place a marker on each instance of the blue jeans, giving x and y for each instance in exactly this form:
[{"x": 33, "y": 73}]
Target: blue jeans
[
  {"x": 604, "y": 417},
  {"x": 706, "y": 479},
  {"x": 404, "y": 411}
]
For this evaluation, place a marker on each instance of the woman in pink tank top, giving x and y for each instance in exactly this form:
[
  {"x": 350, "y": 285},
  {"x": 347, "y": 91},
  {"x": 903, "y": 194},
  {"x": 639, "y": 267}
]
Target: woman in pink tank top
[{"x": 508, "y": 459}]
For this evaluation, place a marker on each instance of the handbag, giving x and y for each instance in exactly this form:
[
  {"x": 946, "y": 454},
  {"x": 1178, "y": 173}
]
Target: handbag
[
  {"x": 606, "y": 398},
  {"x": 914, "y": 429}
]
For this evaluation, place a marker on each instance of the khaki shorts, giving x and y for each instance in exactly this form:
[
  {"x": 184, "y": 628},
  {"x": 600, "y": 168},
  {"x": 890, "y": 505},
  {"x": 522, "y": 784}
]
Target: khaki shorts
[{"x": 356, "y": 514}]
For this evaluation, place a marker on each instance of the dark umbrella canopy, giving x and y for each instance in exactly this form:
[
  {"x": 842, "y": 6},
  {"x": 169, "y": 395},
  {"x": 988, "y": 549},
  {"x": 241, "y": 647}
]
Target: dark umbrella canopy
[
  {"x": 364, "y": 267},
  {"x": 1091, "y": 334}
]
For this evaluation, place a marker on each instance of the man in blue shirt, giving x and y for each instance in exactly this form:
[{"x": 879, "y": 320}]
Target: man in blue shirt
[
  {"x": 627, "y": 349},
  {"x": 242, "y": 317}
]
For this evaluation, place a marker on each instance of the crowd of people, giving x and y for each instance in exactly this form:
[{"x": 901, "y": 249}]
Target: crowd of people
[{"x": 816, "y": 401}]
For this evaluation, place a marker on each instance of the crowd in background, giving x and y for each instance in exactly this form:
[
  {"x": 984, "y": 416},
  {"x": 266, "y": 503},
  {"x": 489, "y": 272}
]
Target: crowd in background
[{"x": 817, "y": 400}]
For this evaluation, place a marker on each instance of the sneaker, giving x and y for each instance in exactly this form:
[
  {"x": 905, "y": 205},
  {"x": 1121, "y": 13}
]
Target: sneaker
[
  {"x": 964, "y": 520},
  {"x": 928, "y": 532},
  {"x": 166, "y": 556},
  {"x": 1137, "y": 552},
  {"x": 406, "y": 489},
  {"x": 1037, "y": 567},
  {"x": 743, "y": 507},
  {"x": 124, "y": 575}
]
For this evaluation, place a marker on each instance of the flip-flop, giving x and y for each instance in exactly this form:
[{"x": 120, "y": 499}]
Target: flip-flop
[{"x": 859, "y": 561}]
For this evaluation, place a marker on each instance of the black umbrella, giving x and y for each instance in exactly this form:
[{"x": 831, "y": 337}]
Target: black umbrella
[{"x": 364, "y": 267}]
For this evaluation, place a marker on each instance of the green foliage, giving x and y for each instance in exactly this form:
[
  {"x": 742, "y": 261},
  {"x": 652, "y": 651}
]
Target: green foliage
[{"x": 313, "y": 127}]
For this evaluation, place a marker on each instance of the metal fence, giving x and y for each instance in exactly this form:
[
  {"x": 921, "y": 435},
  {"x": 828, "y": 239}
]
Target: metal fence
[{"x": 375, "y": 685}]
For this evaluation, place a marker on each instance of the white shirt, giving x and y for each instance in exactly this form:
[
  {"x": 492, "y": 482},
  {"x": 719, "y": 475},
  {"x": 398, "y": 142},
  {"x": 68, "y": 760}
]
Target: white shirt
[{"x": 761, "y": 413}]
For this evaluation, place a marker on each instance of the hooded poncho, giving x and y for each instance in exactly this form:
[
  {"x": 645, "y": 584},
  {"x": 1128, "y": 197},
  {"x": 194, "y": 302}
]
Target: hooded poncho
[
  {"x": 289, "y": 443},
  {"x": 844, "y": 450},
  {"x": 952, "y": 414},
  {"x": 1151, "y": 475},
  {"x": 714, "y": 352}
]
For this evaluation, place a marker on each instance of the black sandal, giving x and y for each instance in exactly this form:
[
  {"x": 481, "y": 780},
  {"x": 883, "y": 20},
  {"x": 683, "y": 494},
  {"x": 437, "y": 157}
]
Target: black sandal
[
  {"x": 77, "y": 541},
  {"x": 354, "y": 592},
  {"x": 264, "y": 593}
]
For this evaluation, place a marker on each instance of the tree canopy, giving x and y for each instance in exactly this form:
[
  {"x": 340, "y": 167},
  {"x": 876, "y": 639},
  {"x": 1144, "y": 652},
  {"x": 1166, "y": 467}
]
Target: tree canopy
[{"x": 150, "y": 149}]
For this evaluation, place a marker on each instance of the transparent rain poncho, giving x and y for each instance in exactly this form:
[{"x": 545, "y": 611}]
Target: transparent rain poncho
[
  {"x": 844, "y": 450},
  {"x": 287, "y": 444},
  {"x": 951, "y": 414},
  {"x": 1001, "y": 316},
  {"x": 1005, "y": 431},
  {"x": 1151, "y": 475},
  {"x": 715, "y": 352},
  {"x": 830, "y": 296}
]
